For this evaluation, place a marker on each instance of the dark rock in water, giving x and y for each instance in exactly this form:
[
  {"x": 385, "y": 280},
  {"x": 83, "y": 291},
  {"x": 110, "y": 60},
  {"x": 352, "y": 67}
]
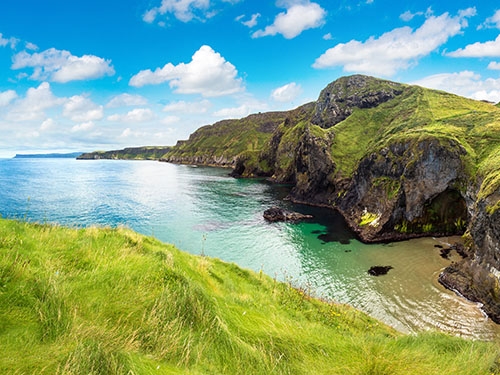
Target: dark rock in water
[
  {"x": 379, "y": 270},
  {"x": 275, "y": 214},
  {"x": 445, "y": 253},
  {"x": 459, "y": 248}
]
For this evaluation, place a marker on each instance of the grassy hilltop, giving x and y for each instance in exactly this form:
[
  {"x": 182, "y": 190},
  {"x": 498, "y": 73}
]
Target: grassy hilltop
[{"x": 111, "y": 301}]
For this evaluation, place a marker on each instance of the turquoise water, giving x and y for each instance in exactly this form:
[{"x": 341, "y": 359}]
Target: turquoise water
[{"x": 203, "y": 210}]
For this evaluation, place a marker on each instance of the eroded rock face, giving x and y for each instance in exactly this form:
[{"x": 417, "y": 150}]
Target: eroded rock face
[
  {"x": 337, "y": 101},
  {"x": 407, "y": 189},
  {"x": 477, "y": 277}
]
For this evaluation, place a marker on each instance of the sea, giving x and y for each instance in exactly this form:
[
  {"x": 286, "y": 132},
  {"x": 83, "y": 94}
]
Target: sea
[{"x": 204, "y": 211}]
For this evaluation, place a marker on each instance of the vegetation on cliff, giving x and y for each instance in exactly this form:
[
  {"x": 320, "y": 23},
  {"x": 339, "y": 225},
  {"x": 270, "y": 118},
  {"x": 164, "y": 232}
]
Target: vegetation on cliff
[
  {"x": 111, "y": 301},
  {"x": 129, "y": 153}
]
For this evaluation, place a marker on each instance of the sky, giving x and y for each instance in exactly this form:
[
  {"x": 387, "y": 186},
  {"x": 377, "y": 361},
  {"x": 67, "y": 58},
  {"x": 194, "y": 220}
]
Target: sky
[{"x": 86, "y": 75}]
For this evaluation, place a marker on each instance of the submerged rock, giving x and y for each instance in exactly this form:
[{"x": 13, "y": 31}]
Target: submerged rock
[
  {"x": 379, "y": 270},
  {"x": 275, "y": 214}
]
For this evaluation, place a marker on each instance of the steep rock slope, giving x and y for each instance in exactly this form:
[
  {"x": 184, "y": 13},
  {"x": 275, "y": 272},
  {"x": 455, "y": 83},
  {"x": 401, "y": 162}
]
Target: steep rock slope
[{"x": 397, "y": 161}]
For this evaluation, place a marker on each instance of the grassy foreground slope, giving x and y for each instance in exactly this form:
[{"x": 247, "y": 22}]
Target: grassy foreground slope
[{"x": 111, "y": 301}]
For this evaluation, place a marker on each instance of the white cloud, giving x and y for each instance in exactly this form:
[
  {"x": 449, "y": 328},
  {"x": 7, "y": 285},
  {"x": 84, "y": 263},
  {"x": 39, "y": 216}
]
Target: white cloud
[
  {"x": 7, "y": 97},
  {"x": 188, "y": 107},
  {"x": 408, "y": 16},
  {"x": 208, "y": 74},
  {"x": 297, "y": 18},
  {"x": 126, "y": 100},
  {"x": 12, "y": 42},
  {"x": 84, "y": 127},
  {"x": 465, "y": 83},
  {"x": 328, "y": 36},
  {"x": 81, "y": 109},
  {"x": 248, "y": 105},
  {"x": 286, "y": 93},
  {"x": 31, "y": 46},
  {"x": 34, "y": 105},
  {"x": 170, "y": 120},
  {"x": 486, "y": 49},
  {"x": 394, "y": 50},
  {"x": 183, "y": 10},
  {"x": 235, "y": 112},
  {"x": 494, "y": 65},
  {"x": 48, "y": 124},
  {"x": 492, "y": 22},
  {"x": 252, "y": 22},
  {"x": 61, "y": 66},
  {"x": 136, "y": 115}
]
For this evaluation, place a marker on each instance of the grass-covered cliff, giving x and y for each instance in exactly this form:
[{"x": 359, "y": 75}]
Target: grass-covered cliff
[
  {"x": 129, "y": 153},
  {"x": 397, "y": 161},
  {"x": 111, "y": 301}
]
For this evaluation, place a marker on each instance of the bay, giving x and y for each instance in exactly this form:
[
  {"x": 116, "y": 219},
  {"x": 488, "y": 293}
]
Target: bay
[{"x": 204, "y": 211}]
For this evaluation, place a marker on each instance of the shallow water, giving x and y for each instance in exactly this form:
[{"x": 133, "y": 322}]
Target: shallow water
[{"x": 203, "y": 210}]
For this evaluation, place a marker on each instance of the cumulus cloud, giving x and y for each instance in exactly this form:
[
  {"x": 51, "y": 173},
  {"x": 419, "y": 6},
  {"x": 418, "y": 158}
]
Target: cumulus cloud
[
  {"x": 48, "y": 124},
  {"x": 83, "y": 127},
  {"x": 465, "y": 83},
  {"x": 486, "y": 49},
  {"x": 494, "y": 65},
  {"x": 126, "y": 100},
  {"x": 34, "y": 104},
  {"x": 136, "y": 115},
  {"x": 61, "y": 66},
  {"x": 297, "y": 18},
  {"x": 286, "y": 93},
  {"x": 394, "y": 50},
  {"x": 81, "y": 109},
  {"x": 188, "y": 107},
  {"x": 183, "y": 10},
  {"x": 208, "y": 74},
  {"x": 7, "y": 97},
  {"x": 234, "y": 112}
]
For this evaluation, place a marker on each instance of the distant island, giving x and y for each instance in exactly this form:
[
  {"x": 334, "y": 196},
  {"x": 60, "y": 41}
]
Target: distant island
[
  {"x": 71, "y": 155},
  {"x": 129, "y": 153}
]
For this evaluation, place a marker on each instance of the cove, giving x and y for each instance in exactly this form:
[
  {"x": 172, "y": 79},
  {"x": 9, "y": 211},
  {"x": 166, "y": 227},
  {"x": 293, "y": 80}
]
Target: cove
[{"x": 203, "y": 210}]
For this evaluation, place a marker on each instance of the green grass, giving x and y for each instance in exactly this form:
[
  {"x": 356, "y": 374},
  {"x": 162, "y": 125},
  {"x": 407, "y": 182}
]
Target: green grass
[{"x": 111, "y": 301}]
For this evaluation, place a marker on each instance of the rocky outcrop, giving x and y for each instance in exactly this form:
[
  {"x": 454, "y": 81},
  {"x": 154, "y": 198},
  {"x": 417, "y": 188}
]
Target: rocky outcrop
[
  {"x": 337, "y": 101},
  {"x": 477, "y": 277},
  {"x": 406, "y": 190},
  {"x": 275, "y": 214}
]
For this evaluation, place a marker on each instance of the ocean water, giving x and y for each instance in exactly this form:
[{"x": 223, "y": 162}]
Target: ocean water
[{"x": 204, "y": 211}]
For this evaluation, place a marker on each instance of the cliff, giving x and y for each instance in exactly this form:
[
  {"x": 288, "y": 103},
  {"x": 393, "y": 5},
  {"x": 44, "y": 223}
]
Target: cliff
[
  {"x": 398, "y": 161},
  {"x": 129, "y": 153}
]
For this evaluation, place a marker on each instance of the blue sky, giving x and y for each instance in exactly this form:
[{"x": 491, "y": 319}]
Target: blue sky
[{"x": 100, "y": 75}]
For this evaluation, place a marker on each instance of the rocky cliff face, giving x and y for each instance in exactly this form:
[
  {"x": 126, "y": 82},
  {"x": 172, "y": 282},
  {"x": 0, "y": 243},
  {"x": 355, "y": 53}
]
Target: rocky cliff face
[
  {"x": 478, "y": 276},
  {"x": 407, "y": 189},
  {"x": 337, "y": 101}
]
